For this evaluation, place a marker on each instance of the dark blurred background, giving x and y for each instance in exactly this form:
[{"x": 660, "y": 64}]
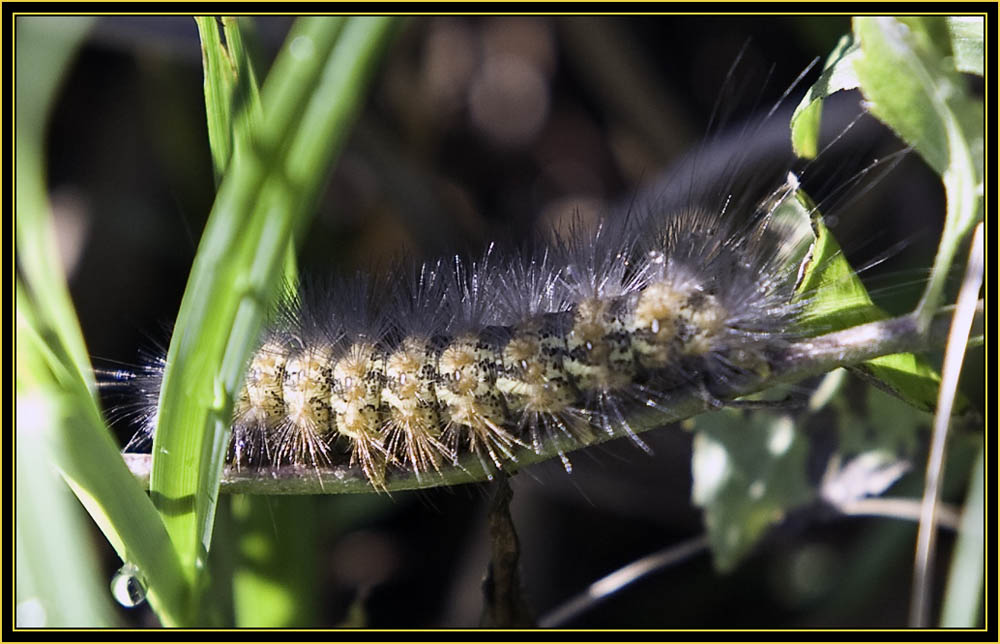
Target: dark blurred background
[{"x": 478, "y": 128}]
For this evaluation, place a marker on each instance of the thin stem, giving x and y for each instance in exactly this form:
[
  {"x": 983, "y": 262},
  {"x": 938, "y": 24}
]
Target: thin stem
[
  {"x": 906, "y": 509},
  {"x": 958, "y": 336},
  {"x": 605, "y": 587},
  {"x": 610, "y": 584}
]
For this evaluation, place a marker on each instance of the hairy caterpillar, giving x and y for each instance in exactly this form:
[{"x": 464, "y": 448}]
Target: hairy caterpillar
[
  {"x": 678, "y": 377},
  {"x": 528, "y": 346},
  {"x": 547, "y": 345}
]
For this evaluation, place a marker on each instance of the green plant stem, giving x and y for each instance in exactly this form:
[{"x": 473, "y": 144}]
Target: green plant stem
[
  {"x": 311, "y": 96},
  {"x": 958, "y": 335}
]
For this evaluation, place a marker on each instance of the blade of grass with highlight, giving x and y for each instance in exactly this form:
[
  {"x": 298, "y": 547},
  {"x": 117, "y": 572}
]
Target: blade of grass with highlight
[
  {"x": 232, "y": 97},
  {"x": 963, "y": 596},
  {"x": 58, "y": 578},
  {"x": 81, "y": 448},
  {"x": 310, "y": 99},
  {"x": 44, "y": 46},
  {"x": 53, "y": 366},
  {"x": 246, "y": 109},
  {"x": 269, "y": 584},
  {"x": 276, "y": 579},
  {"x": 958, "y": 336},
  {"x": 220, "y": 78}
]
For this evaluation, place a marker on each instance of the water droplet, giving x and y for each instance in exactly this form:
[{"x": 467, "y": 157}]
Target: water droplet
[
  {"x": 302, "y": 48},
  {"x": 30, "y": 613},
  {"x": 128, "y": 587}
]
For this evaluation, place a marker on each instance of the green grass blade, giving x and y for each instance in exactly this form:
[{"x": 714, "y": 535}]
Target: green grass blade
[
  {"x": 53, "y": 362},
  {"x": 963, "y": 596},
  {"x": 220, "y": 78},
  {"x": 326, "y": 120},
  {"x": 265, "y": 589},
  {"x": 275, "y": 583},
  {"x": 44, "y": 45},
  {"x": 246, "y": 107},
  {"x": 81, "y": 448},
  {"x": 247, "y": 111},
  {"x": 233, "y": 108},
  {"x": 58, "y": 583},
  {"x": 264, "y": 196}
]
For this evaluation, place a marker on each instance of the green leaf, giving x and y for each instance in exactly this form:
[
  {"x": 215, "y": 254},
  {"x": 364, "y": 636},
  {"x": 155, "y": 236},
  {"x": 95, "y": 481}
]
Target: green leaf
[
  {"x": 748, "y": 472},
  {"x": 909, "y": 377},
  {"x": 926, "y": 106},
  {"x": 836, "y": 299},
  {"x": 967, "y": 34},
  {"x": 908, "y": 77},
  {"x": 908, "y": 71},
  {"x": 905, "y": 80},
  {"x": 838, "y": 74},
  {"x": 834, "y": 296},
  {"x": 870, "y": 419}
]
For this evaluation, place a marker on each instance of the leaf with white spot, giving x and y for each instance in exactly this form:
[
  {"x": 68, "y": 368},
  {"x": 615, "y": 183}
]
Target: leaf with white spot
[{"x": 748, "y": 472}]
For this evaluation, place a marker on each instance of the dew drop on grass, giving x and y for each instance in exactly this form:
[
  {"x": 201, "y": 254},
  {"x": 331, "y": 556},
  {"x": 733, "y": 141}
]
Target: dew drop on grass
[
  {"x": 302, "y": 48},
  {"x": 128, "y": 587}
]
